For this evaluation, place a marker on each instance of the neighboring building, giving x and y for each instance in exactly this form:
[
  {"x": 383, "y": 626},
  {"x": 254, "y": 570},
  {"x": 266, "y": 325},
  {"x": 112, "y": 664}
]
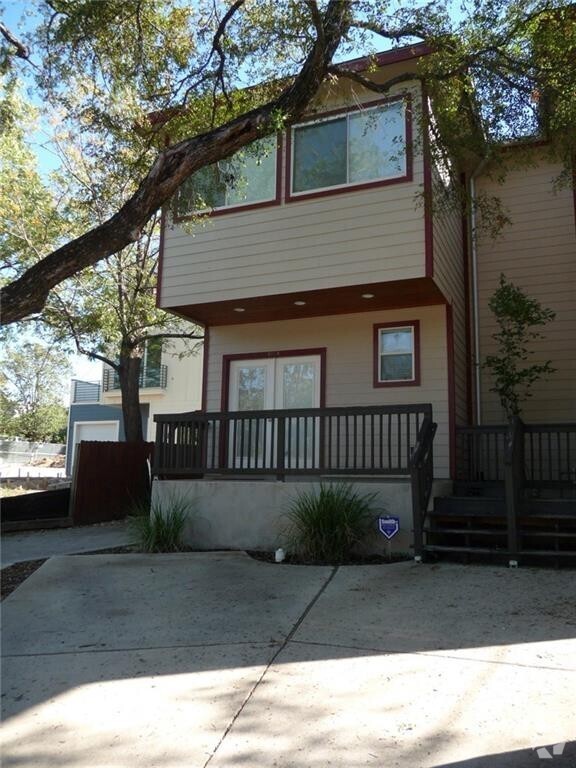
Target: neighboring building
[
  {"x": 168, "y": 384},
  {"x": 323, "y": 282}
]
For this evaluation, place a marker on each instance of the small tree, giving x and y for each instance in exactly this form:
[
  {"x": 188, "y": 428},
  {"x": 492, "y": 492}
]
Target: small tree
[
  {"x": 31, "y": 382},
  {"x": 517, "y": 315}
]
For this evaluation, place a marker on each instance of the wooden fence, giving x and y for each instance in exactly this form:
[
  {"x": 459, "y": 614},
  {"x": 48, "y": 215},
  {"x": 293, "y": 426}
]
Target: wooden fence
[{"x": 109, "y": 480}]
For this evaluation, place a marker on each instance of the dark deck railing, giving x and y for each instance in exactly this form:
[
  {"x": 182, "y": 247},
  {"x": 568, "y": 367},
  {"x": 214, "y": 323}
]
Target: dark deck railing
[
  {"x": 370, "y": 440},
  {"x": 422, "y": 475},
  {"x": 549, "y": 453}
]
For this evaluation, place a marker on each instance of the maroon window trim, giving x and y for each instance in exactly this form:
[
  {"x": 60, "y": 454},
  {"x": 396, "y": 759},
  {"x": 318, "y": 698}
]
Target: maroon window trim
[
  {"x": 415, "y": 325},
  {"x": 408, "y": 176},
  {"x": 227, "y": 359},
  {"x": 451, "y": 375},
  {"x": 228, "y": 210}
]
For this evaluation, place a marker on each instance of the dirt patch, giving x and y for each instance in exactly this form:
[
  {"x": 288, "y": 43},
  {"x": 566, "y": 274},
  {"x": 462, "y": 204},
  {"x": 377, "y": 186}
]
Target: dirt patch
[
  {"x": 14, "y": 575},
  {"x": 16, "y": 486}
]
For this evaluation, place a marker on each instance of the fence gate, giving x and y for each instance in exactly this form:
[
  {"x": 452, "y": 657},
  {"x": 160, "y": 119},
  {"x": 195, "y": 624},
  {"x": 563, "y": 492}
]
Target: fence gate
[{"x": 109, "y": 479}]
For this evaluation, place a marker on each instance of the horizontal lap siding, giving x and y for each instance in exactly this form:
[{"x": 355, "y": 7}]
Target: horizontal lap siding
[
  {"x": 449, "y": 276},
  {"x": 538, "y": 253},
  {"x": 349, "y": 360},
  {"x": 233, "y": 256},
  {"x": 349, "y": 238}
]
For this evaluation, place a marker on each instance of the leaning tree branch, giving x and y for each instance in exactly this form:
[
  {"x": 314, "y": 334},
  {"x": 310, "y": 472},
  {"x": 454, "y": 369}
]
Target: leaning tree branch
[
  {"x": 174, "y": 165},
  {"x": 370, "y": 84},
  {"x": 20, "y": 50}
]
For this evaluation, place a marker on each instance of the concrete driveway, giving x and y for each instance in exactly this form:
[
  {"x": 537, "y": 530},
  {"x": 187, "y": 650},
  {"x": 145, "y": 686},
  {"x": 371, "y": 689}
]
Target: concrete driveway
[
  {"x": 194, "y": 660},
  {"x": 36, "y": 545}
]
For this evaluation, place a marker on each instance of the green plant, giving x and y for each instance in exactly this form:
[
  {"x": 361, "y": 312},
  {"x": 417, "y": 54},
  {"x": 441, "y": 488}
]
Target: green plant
[
  {"x": 326, "y": 525},
  {"x": 516, "y": 315},
  {"x": 160, "y": 528}
]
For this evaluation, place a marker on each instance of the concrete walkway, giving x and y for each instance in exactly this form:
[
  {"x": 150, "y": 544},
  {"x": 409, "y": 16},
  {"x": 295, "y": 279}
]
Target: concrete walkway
[
  {"x": 196, "y": 660},
  {"x": 35, "y": 545}
]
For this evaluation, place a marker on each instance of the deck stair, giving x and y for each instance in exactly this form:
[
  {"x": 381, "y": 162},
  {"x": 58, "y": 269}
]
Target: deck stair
[{"x": 472, "y": 524}]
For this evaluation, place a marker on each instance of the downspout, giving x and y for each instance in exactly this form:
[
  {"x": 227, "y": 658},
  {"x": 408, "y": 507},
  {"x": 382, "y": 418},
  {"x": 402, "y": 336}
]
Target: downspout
[{"x": 475, "y": 300}]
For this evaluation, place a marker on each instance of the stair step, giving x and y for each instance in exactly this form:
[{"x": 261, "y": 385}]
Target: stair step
[
  {"x": 471, "y": 550},
  {"x": 538, "y": 507},
  {"x": 548, "y": 534},
  {"x": 549, "y": 552},
  {"x": 463, "y": 505},
  {"x": 471, "y": 531},
  {"x": 479, "y": 489}
]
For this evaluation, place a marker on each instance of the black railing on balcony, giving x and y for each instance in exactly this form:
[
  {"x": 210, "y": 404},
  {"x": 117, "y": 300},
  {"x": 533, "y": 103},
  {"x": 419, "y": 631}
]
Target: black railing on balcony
[
  {"x": 156, "y": 376},
  {"x": 371, "y": 440}
]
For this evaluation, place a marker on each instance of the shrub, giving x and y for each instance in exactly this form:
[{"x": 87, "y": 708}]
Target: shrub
[
  {"x": 161, "y": 528},
  {"x": 326, "y": 525},
  {"x": 517, "y": 315}
]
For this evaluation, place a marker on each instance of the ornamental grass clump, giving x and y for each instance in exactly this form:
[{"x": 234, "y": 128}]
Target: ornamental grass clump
[
  {"x": 161, "y": 529},
  {"x": 325, "y": 526}
]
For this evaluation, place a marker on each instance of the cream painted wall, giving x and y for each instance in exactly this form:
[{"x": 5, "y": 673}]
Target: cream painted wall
[
  {"x": 349, "y": 364},
  {"x": 538, "y": 253}
]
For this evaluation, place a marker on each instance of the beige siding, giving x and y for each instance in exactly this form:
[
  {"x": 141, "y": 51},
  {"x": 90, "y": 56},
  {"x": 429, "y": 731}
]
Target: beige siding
[
  {"x": 349, "y": 343},
  {"x": 538, "y": 253},
  {"x": 449, "y": 276},
  {"x": 350, "y": 238}
]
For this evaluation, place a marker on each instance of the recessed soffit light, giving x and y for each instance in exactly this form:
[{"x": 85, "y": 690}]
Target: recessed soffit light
[
  {"x": 367, "y": 295},
  {"x": 239, "y": 309},
  {"x": 300, "y": 303}
]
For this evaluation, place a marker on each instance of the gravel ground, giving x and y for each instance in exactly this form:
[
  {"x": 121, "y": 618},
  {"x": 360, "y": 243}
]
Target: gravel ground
[{"x": 12, "y": 576}]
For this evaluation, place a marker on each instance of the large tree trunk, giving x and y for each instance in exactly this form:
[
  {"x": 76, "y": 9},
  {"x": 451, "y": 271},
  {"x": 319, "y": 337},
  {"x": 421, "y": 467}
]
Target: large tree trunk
[{"x": 129, "y": 374}]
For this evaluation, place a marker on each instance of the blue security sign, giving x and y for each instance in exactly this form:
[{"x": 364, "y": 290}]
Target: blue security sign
[{"x": 389, "y": 526}]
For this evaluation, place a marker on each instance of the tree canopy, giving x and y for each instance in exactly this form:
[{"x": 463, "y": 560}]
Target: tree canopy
[
  {"x": 30, "y": 406},
  {"x": 217, "y": 75}
]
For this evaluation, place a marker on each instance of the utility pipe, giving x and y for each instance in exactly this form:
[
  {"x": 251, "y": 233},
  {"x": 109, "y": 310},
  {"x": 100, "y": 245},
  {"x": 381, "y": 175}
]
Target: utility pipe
[{"x": 475, "y": 300}]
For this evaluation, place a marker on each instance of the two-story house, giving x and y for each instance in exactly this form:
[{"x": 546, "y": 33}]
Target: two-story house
[{"x": 344, "y": 315}]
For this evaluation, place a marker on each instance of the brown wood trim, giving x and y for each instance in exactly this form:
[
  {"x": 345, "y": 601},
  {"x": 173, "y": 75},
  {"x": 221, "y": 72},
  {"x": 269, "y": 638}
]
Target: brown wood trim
[
  {"x": 395, "y": 56},
  {"x": 467, "y": 303},
  {"x": 228, "y": 210},
  {"x": 227, "y": 359},
  {"x": 451, "y": 390},
  {"x": 428, "y": 192},
  {"x": 407, "y": 177},
  {"x": 415, "y": 382},
  {"x": 205, "y": 361},
  {"x": 341, "y": 300}
]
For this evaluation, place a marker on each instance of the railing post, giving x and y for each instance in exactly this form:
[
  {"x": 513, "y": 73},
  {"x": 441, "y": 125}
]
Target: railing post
[
  {"x": 417, "y": 512},
  {"x": 281, "y": 447},
  {"x": 158, "y": 448},
  {"x": 514, "y": 485}
]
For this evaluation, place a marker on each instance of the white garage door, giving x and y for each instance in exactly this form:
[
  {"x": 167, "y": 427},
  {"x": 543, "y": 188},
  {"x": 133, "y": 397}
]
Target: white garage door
[{"x": 94, "y": 430}]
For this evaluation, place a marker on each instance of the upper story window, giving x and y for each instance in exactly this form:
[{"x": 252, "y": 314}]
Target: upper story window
[
  {"x": 245, "y": 179},
  {"x": 363, "y": 147},
  {"x": 396, "y": 354}
]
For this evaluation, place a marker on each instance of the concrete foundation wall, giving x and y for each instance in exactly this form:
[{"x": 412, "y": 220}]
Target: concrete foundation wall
[{"x": 250, "y": 514}]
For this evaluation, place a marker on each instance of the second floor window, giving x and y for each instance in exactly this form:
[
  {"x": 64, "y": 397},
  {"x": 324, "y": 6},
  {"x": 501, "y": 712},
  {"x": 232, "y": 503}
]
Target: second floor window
[
  {"x": 364, "y": 146},
  {"x": 246, "y": 178}
]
